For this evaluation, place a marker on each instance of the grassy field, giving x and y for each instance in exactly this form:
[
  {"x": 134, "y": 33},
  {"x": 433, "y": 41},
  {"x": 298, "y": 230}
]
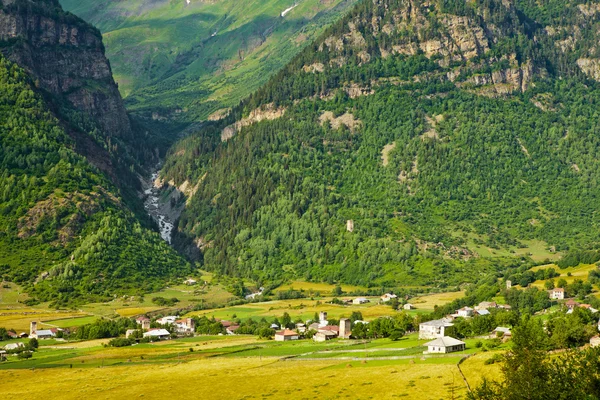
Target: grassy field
[
  {"x": 16, "y": 315},
  {"x": 429, "y": 301},
  {"x": 19, "y": 319},
  {"x": 313, "y": 287},
  {"x": 579, "y": 272},
  {"x": 242, "y": 367},
  {"x": 306, "y": 308},
  {"x": 537, "y": 250}
]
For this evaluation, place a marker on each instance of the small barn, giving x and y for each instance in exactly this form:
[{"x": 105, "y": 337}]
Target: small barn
[
  {"x": 285, "y": 335},
  {"x": 161, "y": 334},
  {"x": 445, "y": 344},
  {"x": 322, "y": 336}
]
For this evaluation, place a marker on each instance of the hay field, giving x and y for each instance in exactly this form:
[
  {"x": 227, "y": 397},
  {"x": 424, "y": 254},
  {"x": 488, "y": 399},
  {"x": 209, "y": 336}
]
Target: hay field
[
  {"x": 297, "y": 308},
  {"x": 323, "y": 288},
  {"x": 19, "y": 319},
  {"x": 429, "y": 301},
  {"x": 237, "y": 378},
  {"x": 579, "y": 272}
]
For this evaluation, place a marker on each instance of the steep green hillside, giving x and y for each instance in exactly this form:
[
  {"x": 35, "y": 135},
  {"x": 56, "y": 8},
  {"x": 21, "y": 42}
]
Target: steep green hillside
[
  {"x": 439, "y": 129},
  {"x": 64, "y": 232},
  {"x": 178, "y": 60}
]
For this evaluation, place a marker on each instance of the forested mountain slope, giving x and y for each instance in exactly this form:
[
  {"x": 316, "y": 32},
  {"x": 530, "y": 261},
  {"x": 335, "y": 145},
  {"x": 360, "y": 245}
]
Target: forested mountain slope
[
  {"x": 183, "y": 60},
  {"x": 68, "y": 167},
  {"x": 406, "y": 135}
]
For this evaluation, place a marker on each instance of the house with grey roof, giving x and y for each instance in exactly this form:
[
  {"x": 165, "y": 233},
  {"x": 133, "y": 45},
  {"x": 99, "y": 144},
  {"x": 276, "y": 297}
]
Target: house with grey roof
[
  {"x": 434, "y": 329},
  {"x": 445, "y": 344}
]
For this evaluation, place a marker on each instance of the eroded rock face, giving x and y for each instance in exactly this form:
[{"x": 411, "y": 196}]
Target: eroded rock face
[
  {"x": 268, "y": 112},
  {"x": 66, "y": 57},
  {"x": 590, "y": 67}
]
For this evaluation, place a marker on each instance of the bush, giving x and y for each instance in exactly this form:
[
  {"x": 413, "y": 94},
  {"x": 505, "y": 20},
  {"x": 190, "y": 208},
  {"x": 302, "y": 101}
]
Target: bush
[
  {"x": 496, "y": 358},
  {"x": 121, "y": 342}
]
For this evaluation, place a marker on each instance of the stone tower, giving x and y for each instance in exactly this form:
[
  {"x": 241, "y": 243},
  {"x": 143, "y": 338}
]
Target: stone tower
[
  {"x": 345, "y": 327},
  {"x": 350, "y": 225},
  {"x": 146, "y": 325},
  {"x": 323, "y": 316},
  {"x": 32, "y": 328}
]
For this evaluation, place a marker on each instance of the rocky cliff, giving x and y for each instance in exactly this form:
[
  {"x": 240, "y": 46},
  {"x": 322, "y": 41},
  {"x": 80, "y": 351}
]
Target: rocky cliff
[{"x": 65, "y": 57}]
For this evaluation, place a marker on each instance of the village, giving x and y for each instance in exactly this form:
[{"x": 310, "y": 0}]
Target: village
[
  {"x": 458, "y": 336},
  {"x": 439, "y": 336}
]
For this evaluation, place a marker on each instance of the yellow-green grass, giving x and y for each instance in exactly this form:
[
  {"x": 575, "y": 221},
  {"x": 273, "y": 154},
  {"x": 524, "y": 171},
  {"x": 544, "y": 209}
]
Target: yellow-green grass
[
  {"x": 239, "y": 378},
  {"x": 536, "y": 249},
  {"x": 428, "y": 302},
  {"x": 475, "y": 369},
  {"x": 321, "y": 287},
  {"x": 297, "y": 308},
  {"x": 71, "y": 322},
  {"x": 579, "y": 272},
  {"x": 21, "y": 318},
  {"x": 11, "y": 296},
  {"x": 187, "y": 296}
]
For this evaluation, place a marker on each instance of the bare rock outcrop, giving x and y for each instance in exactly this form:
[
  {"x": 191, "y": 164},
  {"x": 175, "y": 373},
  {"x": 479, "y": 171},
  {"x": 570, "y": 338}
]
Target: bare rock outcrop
[
  {"x": 66, "y": 57},
  {"x": 268, "y": 112}
]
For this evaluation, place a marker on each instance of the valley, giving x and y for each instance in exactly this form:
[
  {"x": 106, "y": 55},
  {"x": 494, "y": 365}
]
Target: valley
[{"x": 300, "y": 199}]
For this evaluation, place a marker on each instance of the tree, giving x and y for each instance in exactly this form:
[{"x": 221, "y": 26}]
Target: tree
[
  {"x": 356, "y": 316},
  {"x": 525, "y": 372},
  {"x": 549, "y": 284},
  {"x": 337, "y": 290},
  {"x": 562, "y": 283},
  {"x": 33, "y": 343},
  {"x": 286, "y": 321}
]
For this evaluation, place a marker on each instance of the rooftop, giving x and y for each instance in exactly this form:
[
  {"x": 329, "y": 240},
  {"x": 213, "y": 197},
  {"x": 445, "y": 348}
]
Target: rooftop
[
  {"x": 286, "y": 332},
  {"x": 437, "y": 322},
  {"x": 445, "y": 341}
]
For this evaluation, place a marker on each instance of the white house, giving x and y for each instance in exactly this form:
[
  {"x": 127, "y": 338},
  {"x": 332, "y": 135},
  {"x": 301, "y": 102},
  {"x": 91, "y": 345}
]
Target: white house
[
  {"x": 595, "y": 341},
  {"x": 445, "y": 344},
  {"x": 360, "y": 300},
  {"x": 501, "y": 331},
  {"x": 387, "y": 297},
  {"x": 161, "y": 334},
  {"x": 285, "y": 335},
  {"x": 465, "y": 312},
  {"x": 408, "y": 306},
  {"x": 190, "y": 281},
  {"x": 434, "y": 329},
  {"x": 300, "y": 327},
  {"x": 45, "y": 333},
  {"x": 483, "y": 312},
  {"x": 557, "y": 294},
  {"x": 185, "y": 326},
  {"x": 13, "y": 346},
  {"x": 170, "y": 319},
  {"x": 253, "y": 295}
]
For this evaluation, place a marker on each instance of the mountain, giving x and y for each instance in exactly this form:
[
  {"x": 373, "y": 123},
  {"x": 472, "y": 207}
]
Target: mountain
[
  {"x": 69, "y": 232},
  {"x": 181, "y": 61},
  {"x": 413, "y": 143}
]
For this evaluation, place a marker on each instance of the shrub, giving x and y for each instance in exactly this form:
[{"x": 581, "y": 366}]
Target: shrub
[{"x": 121, "y": 342}]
